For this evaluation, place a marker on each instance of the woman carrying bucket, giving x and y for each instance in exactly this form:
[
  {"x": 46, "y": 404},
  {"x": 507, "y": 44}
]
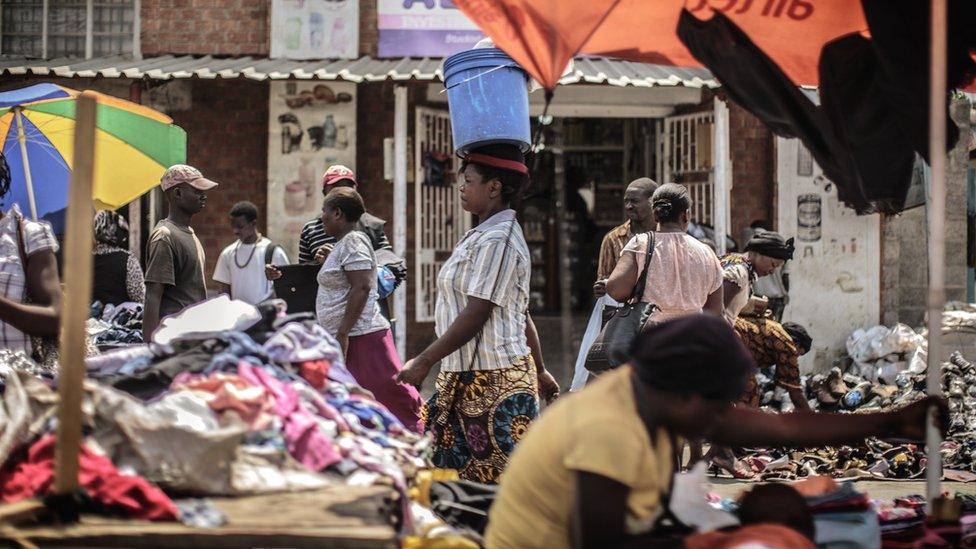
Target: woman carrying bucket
[{"x": 491, "y": 375}]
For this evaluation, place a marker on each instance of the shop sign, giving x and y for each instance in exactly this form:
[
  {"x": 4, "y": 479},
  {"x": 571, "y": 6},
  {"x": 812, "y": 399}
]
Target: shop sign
[
  {"x": 315, "y": 29},
  {"x": 424, "y": 28},
  {"x": 311, "y": 126}
]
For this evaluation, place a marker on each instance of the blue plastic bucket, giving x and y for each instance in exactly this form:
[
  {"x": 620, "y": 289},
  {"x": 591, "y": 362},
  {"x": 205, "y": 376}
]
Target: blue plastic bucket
[{"x": 488, "y": 99}]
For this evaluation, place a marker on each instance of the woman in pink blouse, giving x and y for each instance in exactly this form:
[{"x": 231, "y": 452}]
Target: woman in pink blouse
[{"x": 684, "y": 276}]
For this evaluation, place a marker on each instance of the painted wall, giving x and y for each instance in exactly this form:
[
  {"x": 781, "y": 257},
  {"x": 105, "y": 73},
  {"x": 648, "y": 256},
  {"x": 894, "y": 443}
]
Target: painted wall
[
  {"x": 311, "y": 125},
  {"x": 835, "y": 274}
]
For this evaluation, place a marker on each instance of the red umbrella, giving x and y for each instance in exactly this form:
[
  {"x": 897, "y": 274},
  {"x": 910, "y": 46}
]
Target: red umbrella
[{"x": 543, "y": 35}]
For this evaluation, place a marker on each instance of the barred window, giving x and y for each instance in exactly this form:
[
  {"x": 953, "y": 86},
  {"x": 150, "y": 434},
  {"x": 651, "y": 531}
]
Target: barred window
[{"x": 111, "y": 27}]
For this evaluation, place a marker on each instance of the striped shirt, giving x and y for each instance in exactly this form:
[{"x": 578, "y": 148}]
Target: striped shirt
[
  {"x": 490, "y": 262},
  {"x": 313, "y": 236},
  {"x": 13, "y": 280}
]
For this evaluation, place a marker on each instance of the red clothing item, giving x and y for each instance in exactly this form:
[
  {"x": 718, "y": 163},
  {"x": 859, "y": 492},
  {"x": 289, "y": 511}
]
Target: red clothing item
[
  {"x": 315, "y": 372},
  {"x": 128, "y": 495}
]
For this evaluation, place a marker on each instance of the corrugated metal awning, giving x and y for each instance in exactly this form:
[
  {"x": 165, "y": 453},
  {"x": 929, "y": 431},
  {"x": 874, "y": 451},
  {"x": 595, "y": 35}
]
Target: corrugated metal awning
[{"x": 365, "y": 69}]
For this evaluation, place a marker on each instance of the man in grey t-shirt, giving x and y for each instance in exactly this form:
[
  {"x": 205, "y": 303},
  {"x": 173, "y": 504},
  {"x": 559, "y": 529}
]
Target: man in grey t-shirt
[{"x": 174, "y": 267}]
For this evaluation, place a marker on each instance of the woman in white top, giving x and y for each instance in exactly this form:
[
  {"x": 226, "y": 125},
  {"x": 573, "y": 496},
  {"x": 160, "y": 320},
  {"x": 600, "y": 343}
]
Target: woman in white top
[
  {"x": 684, "y": 276},
  {"x": 30, "y": 289},
  {"x": 346, "y": 307}
]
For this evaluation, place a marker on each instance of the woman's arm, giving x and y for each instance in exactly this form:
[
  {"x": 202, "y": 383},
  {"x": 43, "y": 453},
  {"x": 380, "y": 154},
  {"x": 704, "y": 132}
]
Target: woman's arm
[
  {"x": 467, "y": 324},
  {"x": 359, "y": 287},
  {"x": 729, "y": 291},
  {"x": 747, "y": 427},
  {"x": 42, "y": 316},
  {"x": 548, "y": 387},
  {"x": 622, "y": 281},
  {"x": 599, "y": 513},
  {"x": 715, "y": 304}
]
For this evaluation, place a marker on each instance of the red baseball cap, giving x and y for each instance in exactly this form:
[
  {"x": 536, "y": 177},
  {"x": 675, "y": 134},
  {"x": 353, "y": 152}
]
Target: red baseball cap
[{"x": 337, "y": 173}]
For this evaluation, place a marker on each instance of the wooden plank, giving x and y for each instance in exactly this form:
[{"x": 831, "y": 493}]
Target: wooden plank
[
  {"x": 12, "y": 513},
  {"x": 77, "y": 296},
  {"x": 340, "y": 516}
]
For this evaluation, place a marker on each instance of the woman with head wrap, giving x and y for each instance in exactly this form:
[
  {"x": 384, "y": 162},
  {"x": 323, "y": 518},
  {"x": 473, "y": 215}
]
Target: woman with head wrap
[
  {"x": 596, "y": 469},
  {"x": 765, "y": 252},
  {"x": 491, "y": 370},
  {"x": 684, "y": 276},
  {"x": 118, "y": 275},
  {"x": 779, "y": 346}
]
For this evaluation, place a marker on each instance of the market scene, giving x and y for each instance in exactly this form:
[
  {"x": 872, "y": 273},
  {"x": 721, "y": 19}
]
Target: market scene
[{"x": 507, "y": 274}]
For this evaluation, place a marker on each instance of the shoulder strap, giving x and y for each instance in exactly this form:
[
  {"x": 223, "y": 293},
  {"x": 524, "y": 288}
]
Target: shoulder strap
[
  {"x": 642, "y": 279},
  {"x": 269, "y": 253}
]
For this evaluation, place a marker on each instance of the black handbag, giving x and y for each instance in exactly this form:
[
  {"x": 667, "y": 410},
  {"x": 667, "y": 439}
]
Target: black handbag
[{"x": 609, "y": 350}]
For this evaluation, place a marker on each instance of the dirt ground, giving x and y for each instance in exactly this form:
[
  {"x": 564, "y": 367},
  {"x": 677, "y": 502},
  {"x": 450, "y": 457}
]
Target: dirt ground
[{"x": 876, "y": 489}]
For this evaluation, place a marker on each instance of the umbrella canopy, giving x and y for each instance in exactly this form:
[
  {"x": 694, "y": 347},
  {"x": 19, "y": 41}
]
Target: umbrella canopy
[
  {"x": 543, "y": 35},
  {"x": 133, "y": 147}
]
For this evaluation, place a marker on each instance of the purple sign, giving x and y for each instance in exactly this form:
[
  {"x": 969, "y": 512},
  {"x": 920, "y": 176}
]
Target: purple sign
[{"x": 424, "y": 28}]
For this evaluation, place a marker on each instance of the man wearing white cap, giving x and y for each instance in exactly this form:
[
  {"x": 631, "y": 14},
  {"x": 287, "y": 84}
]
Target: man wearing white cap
[{"x": 174, "y": 266}]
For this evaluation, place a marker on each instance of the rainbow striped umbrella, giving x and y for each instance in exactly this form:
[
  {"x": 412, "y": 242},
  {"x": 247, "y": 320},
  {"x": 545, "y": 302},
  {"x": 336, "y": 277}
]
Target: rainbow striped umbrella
[{"x": 133, "y": 147}]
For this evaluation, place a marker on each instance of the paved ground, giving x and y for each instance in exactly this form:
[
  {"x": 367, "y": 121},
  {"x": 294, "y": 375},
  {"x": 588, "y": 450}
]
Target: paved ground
[{"x": 877, "y": 489}]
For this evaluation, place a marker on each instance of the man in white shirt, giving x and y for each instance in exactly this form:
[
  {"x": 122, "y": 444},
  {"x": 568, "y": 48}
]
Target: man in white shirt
[{"x": 240, "y": 270}]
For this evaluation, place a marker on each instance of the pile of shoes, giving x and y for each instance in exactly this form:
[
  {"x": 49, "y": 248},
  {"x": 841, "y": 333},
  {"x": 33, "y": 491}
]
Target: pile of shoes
[{"x": 845, "y": 390}]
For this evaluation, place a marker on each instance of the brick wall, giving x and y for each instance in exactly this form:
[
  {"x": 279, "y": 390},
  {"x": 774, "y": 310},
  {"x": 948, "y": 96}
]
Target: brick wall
[
  {"x": 904, "y": 275},
  {"x": 753, "y": 170},
  {"x": 229, "y": 27},
  {"x": 227, "y": 139},
  {"x": 369, "y": 35}
]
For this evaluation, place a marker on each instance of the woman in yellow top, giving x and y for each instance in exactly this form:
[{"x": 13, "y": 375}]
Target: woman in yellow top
[{"x": 595, "y": 470}]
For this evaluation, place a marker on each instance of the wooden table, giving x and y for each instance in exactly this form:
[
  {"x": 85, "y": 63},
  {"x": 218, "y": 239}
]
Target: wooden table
[{"x": 340, "y": 517}]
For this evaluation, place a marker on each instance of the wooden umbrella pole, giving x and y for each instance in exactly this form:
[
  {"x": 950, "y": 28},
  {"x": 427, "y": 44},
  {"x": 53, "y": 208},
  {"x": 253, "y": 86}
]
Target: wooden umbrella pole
[
  {"x": 77, "y": 296},
  {"x": 936, "y": 226}
]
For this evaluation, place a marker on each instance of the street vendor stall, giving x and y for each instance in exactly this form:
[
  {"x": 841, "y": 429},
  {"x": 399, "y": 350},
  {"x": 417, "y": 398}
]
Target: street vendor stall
[{"x": 233, "y": 426}]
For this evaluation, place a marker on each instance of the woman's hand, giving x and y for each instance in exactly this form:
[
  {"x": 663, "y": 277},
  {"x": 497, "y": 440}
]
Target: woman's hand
[
  {"x": 343, "y": 340},
  {"x": 322, "y": 253},
  {"x": 271, "y": 272},
  {"x": 414, "y": 372},
  {"x": 548, "y": 388},
  {"x": 910, "y": 422}
]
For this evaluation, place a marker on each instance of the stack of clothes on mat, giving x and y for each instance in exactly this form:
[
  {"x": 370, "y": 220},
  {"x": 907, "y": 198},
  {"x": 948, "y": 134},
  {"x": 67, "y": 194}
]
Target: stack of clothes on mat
[
  {"x": 886, "y": 368},
  {"x": 112, "y": 326},
  {"x": 216, "y": 414}
]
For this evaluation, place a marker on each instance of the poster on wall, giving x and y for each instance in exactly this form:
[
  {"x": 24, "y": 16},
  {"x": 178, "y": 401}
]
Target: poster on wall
[
  {"x": 311, "y": 126},
  {"x": 315, "y": 29},
  {"x": 424, "y": 28}
]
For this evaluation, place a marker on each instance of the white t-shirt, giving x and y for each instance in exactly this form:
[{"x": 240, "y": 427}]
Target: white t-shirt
[
  {"x": 248, "y": 283},
  {"x": 353, "y": 253}
]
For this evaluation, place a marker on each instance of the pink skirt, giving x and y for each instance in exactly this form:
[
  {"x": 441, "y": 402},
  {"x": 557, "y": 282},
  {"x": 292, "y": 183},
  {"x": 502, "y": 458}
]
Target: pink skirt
[{"x": 372, "y": 359}]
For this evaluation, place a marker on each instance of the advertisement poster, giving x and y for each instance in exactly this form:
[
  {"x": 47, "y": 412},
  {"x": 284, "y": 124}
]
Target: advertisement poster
[
  {"x": 311, "y": 126},
  {"x": 424, "y": 28},
  {"x": 315, "y": 29}
]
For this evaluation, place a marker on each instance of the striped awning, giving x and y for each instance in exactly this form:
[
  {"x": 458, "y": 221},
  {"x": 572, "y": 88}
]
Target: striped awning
[{"x": 365, "y": 69}]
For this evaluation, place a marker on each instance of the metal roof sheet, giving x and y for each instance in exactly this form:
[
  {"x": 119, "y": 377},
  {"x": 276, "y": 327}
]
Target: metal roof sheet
[{"x": 589, "y": 70}]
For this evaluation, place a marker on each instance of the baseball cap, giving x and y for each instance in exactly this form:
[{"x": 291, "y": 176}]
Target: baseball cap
[
  {"x": 336, "y": 173},
  {"x": 181, "y": 173}
]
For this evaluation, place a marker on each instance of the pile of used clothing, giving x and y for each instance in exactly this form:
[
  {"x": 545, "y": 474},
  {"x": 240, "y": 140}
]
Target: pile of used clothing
[
  {"x": 218, "y": 414},
  {"x": 112, "y": 326},
  {"x": 886, "y": 369}
]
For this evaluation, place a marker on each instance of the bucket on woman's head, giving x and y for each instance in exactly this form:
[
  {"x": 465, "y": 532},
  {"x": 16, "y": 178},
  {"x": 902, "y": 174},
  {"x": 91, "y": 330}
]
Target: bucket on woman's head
[{"x": 488, "y": 99}]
